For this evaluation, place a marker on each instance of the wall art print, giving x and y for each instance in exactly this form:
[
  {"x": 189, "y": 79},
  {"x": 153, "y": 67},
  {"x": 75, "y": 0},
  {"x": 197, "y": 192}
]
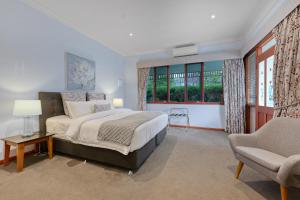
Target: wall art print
[{"x": 80, "y": 73}]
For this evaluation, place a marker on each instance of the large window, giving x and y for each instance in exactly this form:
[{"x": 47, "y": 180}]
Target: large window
[{"x": 186, "y": 83}]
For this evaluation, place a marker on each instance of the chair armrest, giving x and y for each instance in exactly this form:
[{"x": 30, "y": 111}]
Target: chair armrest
[
  {"x": 246, "y": 140},
  {"x": 290, "y": 167}
]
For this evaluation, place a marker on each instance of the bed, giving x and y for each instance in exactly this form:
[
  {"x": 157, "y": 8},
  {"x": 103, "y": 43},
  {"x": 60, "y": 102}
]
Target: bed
[{"x": 146, "y": 137}]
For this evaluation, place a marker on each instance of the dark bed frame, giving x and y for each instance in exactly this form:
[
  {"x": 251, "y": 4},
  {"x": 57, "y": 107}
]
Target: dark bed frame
[{"x": 52, "y": 106}]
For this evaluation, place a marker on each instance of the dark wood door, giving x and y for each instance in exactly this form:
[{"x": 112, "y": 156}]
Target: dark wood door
[
  {"x": 263, "y": 115},
  {"x": 264, "y": 86}
]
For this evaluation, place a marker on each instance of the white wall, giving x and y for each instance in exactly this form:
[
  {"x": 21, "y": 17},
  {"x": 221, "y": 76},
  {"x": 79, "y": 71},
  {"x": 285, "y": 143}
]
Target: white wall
[
  {"x": 210, "y": 116},
  {"x": 261, "y": 28},
  {"x": 32, "y": 48}
]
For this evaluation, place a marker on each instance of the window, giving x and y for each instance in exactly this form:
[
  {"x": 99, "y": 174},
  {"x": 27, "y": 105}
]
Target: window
[
  {"x": 266, "y": 86},
  {"x": 268, "y": 45},
  {"x": 213, "y": 87},
  {"x": 177, "y": 83},
  {"x": 265, "y": 73},
  {"x": 150, "y": 85},
  {"x": 269, "y": 95},
  {"x": 261, "y": 84},
  {"x": 186, "y": 83},
  {"x": 194, "y": 82},
  {"x": 161, "y": 84}
]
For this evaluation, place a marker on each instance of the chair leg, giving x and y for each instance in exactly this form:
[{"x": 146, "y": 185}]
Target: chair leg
[
  {"x": 239, "y": 169},
  {"x": 284, "y": 192}
]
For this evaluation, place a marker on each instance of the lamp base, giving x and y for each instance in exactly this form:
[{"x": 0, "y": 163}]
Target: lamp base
[
  {"x": 28, "y": 126},
  {"x": 27, "y": 135}
]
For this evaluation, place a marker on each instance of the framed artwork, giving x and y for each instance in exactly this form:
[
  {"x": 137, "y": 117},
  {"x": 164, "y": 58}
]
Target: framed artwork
[{"x": 80, "y": 73}]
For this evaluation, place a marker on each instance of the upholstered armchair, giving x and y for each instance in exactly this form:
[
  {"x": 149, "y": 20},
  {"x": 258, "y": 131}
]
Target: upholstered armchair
[{"x": 273, "y": 150}]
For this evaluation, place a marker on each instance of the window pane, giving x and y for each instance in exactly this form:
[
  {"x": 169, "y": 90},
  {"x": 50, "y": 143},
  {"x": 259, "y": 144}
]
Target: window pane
[
  {"x": 194, "y": 82},
  {"x": 268, "y": 45},
  {"x": 150, "y": 85},
  {"x": 261, "y": 87},
  {"x": 213, "y": 87},
  {"x": 270, "y": 62},
  {"x": 161, "y": 84},
  {"x": 177, "y": 77}
]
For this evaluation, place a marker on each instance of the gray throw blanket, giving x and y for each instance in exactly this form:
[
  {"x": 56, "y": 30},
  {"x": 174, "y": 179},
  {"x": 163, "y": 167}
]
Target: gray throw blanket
[{"x": 121, "y": 131}]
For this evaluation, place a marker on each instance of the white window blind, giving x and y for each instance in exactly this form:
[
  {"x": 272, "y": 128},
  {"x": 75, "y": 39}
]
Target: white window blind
[{"x": 252, "y": 79}]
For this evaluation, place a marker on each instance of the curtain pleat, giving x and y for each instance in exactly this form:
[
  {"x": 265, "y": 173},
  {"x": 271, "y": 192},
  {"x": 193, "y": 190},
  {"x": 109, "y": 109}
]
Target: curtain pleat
[
  {"x": 286, "y": 72},
  {"x": 234, "y": 95},
  {"x": 143, "y": 74}
]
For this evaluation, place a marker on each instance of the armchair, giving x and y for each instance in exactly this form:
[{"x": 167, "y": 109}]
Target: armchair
[{"x": 273, "y": 150}]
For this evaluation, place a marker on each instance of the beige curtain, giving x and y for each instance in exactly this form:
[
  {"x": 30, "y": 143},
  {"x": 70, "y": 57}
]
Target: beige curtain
[
  {"x": 234, "y": 95},
  {"x": 287, "y": 66},
  {"x": 143, "y": 74}
]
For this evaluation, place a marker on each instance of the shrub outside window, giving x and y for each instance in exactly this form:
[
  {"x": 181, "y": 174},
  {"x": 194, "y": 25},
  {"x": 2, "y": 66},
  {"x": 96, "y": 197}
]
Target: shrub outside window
[{"x": 186, "y": 83}]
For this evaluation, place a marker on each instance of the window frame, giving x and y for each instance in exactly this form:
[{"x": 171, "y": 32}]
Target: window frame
[{"x": 201, "y": 102}]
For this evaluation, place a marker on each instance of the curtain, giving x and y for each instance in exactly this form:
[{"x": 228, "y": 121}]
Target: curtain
[
  {"x": 143, "y": 74},
  {"x": 234, "y": 95},
  {"x": 286, "y": 73}
]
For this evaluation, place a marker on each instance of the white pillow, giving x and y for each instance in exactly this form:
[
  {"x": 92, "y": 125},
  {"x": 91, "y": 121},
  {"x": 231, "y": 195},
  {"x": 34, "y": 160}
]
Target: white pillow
[
  {"x": 79, "y": 108},
  {"x": 102, "y": 107},
  {"x": 101, "y": 102}
]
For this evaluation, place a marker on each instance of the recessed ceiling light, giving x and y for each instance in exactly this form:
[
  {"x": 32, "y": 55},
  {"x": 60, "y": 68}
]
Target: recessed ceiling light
[
  {"x": 131, "y": 34},
  {"x": 213, "y": 16}
]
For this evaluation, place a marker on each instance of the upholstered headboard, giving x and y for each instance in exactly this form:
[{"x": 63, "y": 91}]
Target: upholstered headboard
[{"x": 51, "y": 106}]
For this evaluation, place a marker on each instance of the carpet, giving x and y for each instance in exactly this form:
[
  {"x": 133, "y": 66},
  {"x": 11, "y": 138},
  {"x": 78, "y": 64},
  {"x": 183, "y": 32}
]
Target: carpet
[{"x": 189, "y": 165}]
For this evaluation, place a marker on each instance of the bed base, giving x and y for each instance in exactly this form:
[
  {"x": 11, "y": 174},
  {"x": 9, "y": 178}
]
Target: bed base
[{"x": 132, "y": 161}]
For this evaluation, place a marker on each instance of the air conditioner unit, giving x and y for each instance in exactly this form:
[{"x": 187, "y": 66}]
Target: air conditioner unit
[{"x": 185, "y": 50}]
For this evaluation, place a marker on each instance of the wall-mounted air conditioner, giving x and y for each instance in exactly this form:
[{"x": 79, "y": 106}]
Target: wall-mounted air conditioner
[{"x": 185, "y": 50}]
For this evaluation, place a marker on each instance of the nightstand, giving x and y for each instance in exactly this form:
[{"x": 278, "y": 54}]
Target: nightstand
[{"x": 20, "y": 142}]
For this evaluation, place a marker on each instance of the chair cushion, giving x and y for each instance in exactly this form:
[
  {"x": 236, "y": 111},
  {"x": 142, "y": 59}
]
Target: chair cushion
[{"x": 263, "y": 157}]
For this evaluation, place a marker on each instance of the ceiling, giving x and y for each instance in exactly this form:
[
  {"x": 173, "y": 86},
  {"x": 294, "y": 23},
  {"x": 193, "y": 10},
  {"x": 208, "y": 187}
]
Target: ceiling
[{"x": 157, "y": 25}]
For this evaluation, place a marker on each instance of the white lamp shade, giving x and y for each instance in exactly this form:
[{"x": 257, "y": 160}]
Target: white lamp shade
[
  {"x": 27, "y": 108},
  {"x": 118, "y": 102}
]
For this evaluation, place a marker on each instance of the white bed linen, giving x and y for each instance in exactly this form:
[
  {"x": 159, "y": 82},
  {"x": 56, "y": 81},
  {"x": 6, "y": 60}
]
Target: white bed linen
[
  {"x": 58, "y": 124},
  {"x": 84, "y": 130}
]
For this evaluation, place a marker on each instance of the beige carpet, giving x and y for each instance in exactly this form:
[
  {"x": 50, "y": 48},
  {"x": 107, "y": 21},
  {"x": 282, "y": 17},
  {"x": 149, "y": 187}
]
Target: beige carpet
[{"x": 190, "y": 165}]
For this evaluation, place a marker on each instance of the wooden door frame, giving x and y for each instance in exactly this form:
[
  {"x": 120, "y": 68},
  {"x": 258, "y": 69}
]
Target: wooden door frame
[{"x": 259, "y": 56}]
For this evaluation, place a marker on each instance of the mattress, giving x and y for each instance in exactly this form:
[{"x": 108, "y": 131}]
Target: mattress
[{"x": 88, "y": 130}]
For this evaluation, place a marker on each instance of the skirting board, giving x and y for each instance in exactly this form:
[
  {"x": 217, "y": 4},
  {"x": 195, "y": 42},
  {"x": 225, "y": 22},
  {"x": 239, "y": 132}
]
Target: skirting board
[{"x": 197, "y": 127}]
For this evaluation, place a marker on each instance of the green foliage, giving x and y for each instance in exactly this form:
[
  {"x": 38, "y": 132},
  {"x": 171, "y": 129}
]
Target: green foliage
[
  {"x": 213, "y": 92},
  {"x": 161, "y": 93},
  {"x": 194, "y": 93},
  {"x": 149, "y": 95},
  {"x": 177, "y": 94}
]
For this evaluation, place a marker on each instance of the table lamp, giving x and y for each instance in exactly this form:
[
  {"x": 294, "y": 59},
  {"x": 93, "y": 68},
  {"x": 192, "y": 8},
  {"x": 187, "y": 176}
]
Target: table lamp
[
  {"x": 118, "y": 103},
  {"x": 27, "y": 109}
]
